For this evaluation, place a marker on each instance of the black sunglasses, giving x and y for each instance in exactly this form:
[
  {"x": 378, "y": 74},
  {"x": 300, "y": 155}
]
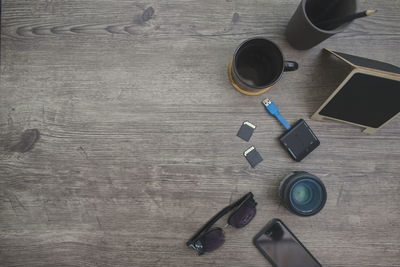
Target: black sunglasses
[{"x": 208, "y": 239}]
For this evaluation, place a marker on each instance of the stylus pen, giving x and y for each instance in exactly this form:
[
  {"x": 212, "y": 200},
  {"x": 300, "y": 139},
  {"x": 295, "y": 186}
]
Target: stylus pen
[{"x": 345, "y": 19}]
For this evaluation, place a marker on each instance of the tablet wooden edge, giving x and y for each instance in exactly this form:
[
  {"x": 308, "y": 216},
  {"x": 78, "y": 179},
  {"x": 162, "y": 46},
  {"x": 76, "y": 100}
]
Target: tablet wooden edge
[
  {"x": 368, "y": 129},
  {"x": 362, "y": 67}
]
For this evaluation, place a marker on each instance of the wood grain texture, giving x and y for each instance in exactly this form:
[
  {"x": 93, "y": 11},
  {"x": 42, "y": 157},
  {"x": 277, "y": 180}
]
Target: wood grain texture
[{"x": 137, "y": 123}]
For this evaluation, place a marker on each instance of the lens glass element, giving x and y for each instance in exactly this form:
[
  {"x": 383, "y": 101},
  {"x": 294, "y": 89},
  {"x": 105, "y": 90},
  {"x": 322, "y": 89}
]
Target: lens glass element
[
  {"x": 302, "y": 194},
  {"x": 306, "y": 195}
]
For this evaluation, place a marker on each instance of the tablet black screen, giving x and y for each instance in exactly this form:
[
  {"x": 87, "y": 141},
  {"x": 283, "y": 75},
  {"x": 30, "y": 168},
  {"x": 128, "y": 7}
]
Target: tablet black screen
[{"x": 365, "y": 99}]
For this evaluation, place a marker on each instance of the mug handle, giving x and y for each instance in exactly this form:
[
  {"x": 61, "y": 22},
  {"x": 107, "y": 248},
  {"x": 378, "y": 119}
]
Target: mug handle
[{"x": 290, "y": 66}]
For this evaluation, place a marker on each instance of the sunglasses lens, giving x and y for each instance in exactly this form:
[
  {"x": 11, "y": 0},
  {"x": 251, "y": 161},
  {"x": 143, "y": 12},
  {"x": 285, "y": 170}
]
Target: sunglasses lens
[
  {"x": 213, "y": 239},
  {"x": 243, "y": 215}
]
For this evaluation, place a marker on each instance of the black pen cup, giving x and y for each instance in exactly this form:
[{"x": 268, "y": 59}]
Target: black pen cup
[{"x": 303, "y": 32}]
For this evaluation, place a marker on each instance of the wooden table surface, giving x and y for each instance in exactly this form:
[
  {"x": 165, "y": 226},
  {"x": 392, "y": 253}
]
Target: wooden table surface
[{"x": 138, "y": 148}]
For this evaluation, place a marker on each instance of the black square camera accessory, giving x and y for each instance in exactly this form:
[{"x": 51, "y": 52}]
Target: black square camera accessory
[{"x": 300, "y": 140}]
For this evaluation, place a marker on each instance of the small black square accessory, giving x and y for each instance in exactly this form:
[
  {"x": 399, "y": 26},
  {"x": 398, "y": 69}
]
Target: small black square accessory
[
  {"x": 246, "y": 130},
  {"x": 300, "y": 140},
  {"x": 252, "y": 156}
]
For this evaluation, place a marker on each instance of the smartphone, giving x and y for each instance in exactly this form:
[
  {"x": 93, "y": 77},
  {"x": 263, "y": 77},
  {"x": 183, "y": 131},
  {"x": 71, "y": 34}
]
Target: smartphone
[{"x": 281, "y": 247}]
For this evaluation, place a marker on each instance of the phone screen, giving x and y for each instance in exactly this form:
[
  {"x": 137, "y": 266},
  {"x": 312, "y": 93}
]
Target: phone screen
[{"x": 282, "y": 248}]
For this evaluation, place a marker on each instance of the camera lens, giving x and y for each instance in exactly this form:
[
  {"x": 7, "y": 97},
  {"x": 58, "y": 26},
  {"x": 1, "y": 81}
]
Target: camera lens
[{"x": 302, "y": 193}]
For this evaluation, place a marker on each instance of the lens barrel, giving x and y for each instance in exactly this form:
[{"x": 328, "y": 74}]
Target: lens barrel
[{"x": 303, "y": 193}]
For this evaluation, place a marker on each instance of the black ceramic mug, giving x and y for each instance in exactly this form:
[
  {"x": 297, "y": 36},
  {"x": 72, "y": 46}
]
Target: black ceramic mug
[
  {"x": 303, "y": 32},
  {"x": 257, "y": 65}
]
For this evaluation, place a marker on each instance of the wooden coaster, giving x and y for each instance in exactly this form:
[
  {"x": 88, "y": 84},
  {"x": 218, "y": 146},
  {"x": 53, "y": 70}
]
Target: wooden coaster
[{"x": 234, "y": 84}]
